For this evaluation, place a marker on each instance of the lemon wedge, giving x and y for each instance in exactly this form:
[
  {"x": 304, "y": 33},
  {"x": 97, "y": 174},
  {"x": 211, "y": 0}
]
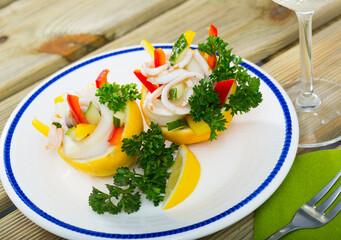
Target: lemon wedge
[
  {"x": 107, "y": 165},
  {"x": 185, "y": 174},
  {"x": 198, "y": 128}
]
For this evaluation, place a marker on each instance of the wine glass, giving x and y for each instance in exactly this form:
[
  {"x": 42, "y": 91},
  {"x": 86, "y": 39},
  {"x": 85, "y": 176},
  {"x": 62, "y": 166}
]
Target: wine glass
[{"x": 317, "y": 100}]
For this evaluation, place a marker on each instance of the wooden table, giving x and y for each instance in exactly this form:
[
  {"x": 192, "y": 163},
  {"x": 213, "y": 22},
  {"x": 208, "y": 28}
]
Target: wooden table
[{"x": 39, "y": 37}]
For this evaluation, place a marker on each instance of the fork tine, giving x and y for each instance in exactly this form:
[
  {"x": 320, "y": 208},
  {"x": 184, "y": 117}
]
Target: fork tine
[
  {"x": 334, "y": 211},
  {"x": 318, "y": 196},
  {"x": 329, "y": 200}
]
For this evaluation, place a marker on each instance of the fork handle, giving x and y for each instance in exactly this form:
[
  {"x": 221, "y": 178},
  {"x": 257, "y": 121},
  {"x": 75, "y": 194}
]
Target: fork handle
[{"x": 283, "y": 231}]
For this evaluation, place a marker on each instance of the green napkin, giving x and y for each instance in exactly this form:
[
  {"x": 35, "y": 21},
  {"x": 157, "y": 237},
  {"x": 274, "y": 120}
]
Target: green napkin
[{"x": 309, "y": 174}]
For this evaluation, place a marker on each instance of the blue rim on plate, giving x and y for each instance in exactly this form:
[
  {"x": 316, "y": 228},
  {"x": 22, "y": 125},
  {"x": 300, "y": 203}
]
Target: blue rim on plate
[{"x": 36, "y": 209}]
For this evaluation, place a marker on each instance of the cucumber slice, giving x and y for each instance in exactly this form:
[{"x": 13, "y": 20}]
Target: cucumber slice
[
  {"x": 173, "y": 93},
  {"x": 118, "y": 118},
  {"x": 71, "y": 132},
  {"x": 181, "y": 88},
  {"x": 179, "y": 123},
  {"x": 177, "y": 92},
  {"x": 92, "y": 115},
  {"x": 178, "y": 50}
]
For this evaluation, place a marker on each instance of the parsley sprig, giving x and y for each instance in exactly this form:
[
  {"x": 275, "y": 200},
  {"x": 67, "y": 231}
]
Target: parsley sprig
[
  {"x": 101, "y": 202},
  {"x": 117, "y": 95},
  {"x": 205, "y": 103},
  {"x": 154, "y": 158},
  {"x": 57, "y": 124}
]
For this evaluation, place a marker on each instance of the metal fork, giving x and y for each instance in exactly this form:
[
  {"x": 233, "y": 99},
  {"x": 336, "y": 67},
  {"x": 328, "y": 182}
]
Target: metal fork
[{"x": 310, "y": 215}]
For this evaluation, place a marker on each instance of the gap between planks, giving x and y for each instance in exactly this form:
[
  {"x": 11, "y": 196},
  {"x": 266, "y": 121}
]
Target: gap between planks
[
  {"x": 31, "y": 49},
  {"x": 17, "y": 226}
]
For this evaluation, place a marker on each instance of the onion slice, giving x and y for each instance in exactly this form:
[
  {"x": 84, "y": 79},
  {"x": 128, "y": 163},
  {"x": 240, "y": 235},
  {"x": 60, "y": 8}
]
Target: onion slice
[
  {"x": 149, "y": 71},
  {"x": 184, "y": 107},
  {"x": 151, "y": 103},
  {"x": 168, "y": 76},
  {"x": 202, "y": 62},
  {"x": 187, "y": 58},
  {"x": 94, "y": 145}
]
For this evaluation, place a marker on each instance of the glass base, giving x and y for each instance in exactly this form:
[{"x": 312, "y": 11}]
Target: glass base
[{"x": 319, "y": 126}]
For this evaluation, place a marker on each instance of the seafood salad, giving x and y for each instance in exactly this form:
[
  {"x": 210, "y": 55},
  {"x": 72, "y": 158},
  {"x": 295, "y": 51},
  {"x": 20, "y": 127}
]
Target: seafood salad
[
  {"x": 188, "y": 92},
  {"x": 89, "y": 124}
]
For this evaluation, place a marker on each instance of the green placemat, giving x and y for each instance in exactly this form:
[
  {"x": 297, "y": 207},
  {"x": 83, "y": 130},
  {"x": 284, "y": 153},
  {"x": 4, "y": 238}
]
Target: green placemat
[{"x": 309, "y": 174}]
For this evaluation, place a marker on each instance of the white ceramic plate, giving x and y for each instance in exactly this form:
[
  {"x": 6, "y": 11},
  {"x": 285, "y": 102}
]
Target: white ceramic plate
[{"x": 239, "y": 171}]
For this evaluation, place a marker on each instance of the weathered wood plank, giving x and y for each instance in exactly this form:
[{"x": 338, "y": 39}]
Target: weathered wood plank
[
  {"x": 240, "y": 230},
  {"x": 255, "y": 29},
  {"x": 3, "y": 3},
  {"x": 5, "y": 202},
  {"x": 38, "y": 37},
  {"x": 326, "y": 56},
  {"x": 16, "y": 226}
]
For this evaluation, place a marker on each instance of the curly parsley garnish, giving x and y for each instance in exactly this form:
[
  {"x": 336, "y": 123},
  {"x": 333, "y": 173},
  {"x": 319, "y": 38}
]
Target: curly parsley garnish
[
  {"x": 154, "y": 158},
  {"x": 117, "y": 95},
  {"x": 205, "y": 103}
]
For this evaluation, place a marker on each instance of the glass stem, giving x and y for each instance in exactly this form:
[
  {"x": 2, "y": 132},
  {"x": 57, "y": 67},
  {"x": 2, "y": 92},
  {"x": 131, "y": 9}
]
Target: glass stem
[{"x": 307, "y": 100}]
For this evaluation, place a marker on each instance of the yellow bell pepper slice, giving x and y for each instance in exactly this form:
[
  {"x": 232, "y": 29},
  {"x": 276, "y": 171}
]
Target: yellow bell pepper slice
[
  {"x": 198, "y": 128},
  {"x": 189, "y": 35},
  {"x": 58, "y": 99},
  {"x": 148, "y": 47},
  {"x": 41, "y": 127},
  {"x": 83, "y": 130}
]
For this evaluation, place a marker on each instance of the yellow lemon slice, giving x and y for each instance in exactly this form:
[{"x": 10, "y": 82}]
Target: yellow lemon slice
[
  {"x": 107, "y": 165},
  {"x": 185, "y": 174}
]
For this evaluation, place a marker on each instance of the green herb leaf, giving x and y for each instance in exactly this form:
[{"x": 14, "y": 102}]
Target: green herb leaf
[
  {"x": 116, "y": 96},
  {"x": 57, "y": 124},
  {"x": 247, "y": 95},
  {"x": 205, "y": 103},
  {"x": 101, "y": 202},
  {"x": 154, "y": 158}
]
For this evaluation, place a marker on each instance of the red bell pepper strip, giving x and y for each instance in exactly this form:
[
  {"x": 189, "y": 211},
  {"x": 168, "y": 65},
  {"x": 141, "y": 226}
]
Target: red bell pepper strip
[
  {"x": 211, "y": 59},
  {"x": 213, "y": 31},
  {"x": 116, "y": 135},
  {"x": 143, "y": 79},
  {"x": 102, "y": 78},
  {"x": 159, "y": 57},
  {"x": 75, "y": 109},
  {"x": 223, "y": 88}
]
